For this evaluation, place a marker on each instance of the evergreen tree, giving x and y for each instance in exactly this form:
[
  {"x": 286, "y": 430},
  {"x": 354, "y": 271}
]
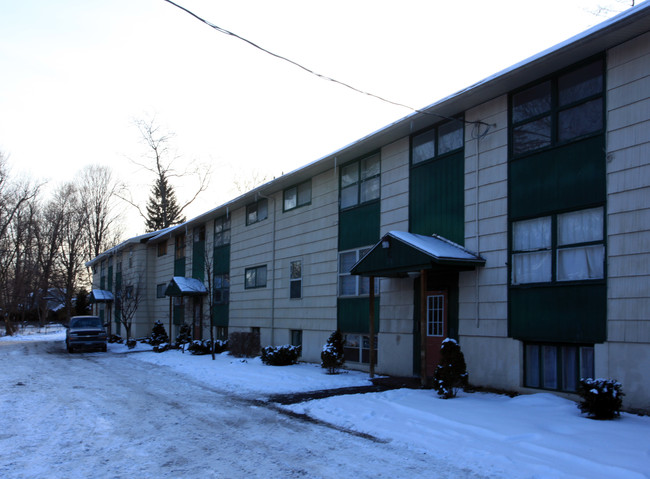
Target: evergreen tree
[
  {"x": 162, "y": 207},
  {"x": 332, "y": 357},
  {"x": 451, "y": 373}
]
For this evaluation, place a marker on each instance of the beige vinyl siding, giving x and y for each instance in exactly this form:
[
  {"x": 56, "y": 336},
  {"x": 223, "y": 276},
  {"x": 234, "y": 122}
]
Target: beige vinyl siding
[
  {"x": 491, "y": 356},
  {"x": 628, "y": 221},
  {"x": 395, "y": 338}
]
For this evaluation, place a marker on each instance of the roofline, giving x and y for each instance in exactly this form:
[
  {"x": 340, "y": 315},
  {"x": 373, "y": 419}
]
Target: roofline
[{"x": 598, "y": 39}]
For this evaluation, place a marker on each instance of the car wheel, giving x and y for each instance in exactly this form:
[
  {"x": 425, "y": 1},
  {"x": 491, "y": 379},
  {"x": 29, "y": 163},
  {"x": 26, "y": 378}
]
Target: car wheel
[
  {"x": 104, "y": 348},
  {"x": 70, "y": 350}
]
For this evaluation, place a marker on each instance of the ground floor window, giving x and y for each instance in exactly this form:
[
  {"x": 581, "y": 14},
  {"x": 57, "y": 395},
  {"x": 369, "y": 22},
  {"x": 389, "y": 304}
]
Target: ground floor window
[
  {"x": 557, "y": 366},
  {"x": 356, "y": 348},
  {"x": 222, "y": 333},
  {"x": 296, "y": 337}
]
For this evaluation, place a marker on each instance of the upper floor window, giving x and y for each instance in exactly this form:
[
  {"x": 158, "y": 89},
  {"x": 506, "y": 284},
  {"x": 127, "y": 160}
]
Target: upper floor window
[
  {"x": 130, "y": 257},
  {"x": 221, "y": 288},
  {"x": 222, "y": 231},
  {"x": 297, "y": 196},
  {"x": 558, "y": 110},
  {"x": 199, "y": 234},
  {"x": 103, "y": 268},
  {"x": 575, "y": 252},
  {"x": 257, "y": 211},
  {"x": 255, "y": 277},
  {"x": 353, "y": 285},
  {"x": 160, "y": 290},
  {"x": 295, "y": 280},
  {"x": 179, "y": 243},
  {"x": 437, "y": 141},
  {"x": 162, "y": 248},
  {"x": 360, "y": 181}
]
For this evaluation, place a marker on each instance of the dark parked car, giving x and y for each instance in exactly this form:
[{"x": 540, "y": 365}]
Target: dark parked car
[{"x": 85, "y": 332}]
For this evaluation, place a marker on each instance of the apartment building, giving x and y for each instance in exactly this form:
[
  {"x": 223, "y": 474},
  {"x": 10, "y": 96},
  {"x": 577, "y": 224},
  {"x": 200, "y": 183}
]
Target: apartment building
[{"x": 512, "y": 216}]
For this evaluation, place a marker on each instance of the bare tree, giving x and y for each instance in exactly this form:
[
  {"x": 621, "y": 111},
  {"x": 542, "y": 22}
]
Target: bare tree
[
  {"x": 16, "y": 256},
  {"x": 99, "y": 190},
  {"x": 73, "y": 248},
  {"x": 129, "y": 296},
  {"x": 162, "y": 210}
]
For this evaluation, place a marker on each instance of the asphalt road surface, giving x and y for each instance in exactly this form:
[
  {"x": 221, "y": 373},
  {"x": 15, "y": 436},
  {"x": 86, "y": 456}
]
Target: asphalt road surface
[{"x": 95, "y": 415}]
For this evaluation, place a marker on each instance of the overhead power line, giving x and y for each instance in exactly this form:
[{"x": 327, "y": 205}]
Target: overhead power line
[{"x": 310, "y": 71}]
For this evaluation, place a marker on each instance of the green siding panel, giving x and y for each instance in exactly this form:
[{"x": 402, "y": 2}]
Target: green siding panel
[
  {"x": 220, "y": 315},
  {"x": 221, "y": 258},
  {"x": 569, "y": 177},
  {"x": 353, "y": 315},
  {"x": 198, "y": 260},
  {"x": 436, "y": 198},
  {"x": 179, "y": 267},
  {"x": 566, "y": 313},
  {"x": 359, "y": 226},
  {"x": 178, "y": 315},
  {"x": 110, "y": 278}
]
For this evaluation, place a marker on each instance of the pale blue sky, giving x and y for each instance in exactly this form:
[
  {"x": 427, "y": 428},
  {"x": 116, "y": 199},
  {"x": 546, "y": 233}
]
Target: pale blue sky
[{"x": 73, "y": 75}]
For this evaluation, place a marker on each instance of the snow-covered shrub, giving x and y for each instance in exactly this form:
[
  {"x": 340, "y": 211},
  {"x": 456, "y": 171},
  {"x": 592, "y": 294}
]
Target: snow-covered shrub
[
  {"x": 451, "y": 373},
  {"x": 242, "y": 344},
  {"x": 601, "y": 398},
  {"x": 131, "y": 343},
  {"x": 114, "y": 338},
  {"x": 199, "y": 347},
  {"x": 158, "y": 334},
  {"x": 332, "y": 356},
  {"x": 160, "y": 348},
  {"x": 220, "y": 346},
  {"x": 184, "y": 335},
  {"x": 280, "y": 355}
]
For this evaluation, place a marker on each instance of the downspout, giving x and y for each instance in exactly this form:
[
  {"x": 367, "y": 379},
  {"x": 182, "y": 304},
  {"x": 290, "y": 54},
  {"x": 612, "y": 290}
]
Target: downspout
[{"x": 477, "y": 229}]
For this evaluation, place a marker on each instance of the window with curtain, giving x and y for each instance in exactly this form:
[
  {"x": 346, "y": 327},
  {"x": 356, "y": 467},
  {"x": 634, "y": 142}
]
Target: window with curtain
[{"x": 576, "y": 253}]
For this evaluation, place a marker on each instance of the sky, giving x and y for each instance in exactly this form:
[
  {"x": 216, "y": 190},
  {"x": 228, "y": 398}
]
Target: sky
[{"x": 75, "y": 76}]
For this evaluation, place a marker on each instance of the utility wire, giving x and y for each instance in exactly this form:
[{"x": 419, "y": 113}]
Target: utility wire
[{"x": 312, "y": 72}]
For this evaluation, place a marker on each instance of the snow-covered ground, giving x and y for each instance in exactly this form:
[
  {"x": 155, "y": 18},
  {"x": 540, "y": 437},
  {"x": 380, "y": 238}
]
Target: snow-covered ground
[{"x": 485, "y": 435}]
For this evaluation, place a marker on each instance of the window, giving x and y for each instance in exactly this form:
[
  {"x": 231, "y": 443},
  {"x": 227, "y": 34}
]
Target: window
[
  {"x": 436, "y": 315},
  {"x": 118, "y": 265},
  {"x": 255, "y": 277},
  {"x": 179, "y": 246},
  {"x": 360, "y": 182},
  {"x": 352, "y": 285},
  {"x": 437, "y": 141},
  {"x": 295, "y": 280},
  {"x": 199, "y": 234},
  {"x": 559, "y": 110},
  {"x": 356, "y": 348},
  {"x": 160, "y": 290},
  {"x": 580, "y": 250},
  {"x": 576, "y": 253},
  {"x": 128, "y": 292},
  {"x": 256, "y": 212},
  {"x": 297, "y": 196},
  {"x": 130, "y": 257},
  {"x": 296, "y": 337},
  {"x": 162, "y": 249},
  {"x": 222, "y": 333},
  {"x": 557, "y": 366},
  {"x": 221, "y": 288},
  {"x": 222, "y": 231}
]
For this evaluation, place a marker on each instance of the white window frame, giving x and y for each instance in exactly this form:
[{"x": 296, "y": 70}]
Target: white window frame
[{"x": 361, "y": 284}]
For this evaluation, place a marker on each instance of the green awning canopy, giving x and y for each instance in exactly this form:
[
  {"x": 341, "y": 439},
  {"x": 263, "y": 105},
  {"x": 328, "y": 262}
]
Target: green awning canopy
[
  {"x": 181, "y": 286},
  {"x": 399, "y": 253}
]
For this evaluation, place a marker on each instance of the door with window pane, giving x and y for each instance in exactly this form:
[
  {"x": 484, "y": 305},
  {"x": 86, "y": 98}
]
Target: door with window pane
[{"x": 436, "y": 327}]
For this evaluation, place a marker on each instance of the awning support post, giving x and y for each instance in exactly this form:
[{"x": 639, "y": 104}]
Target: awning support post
[
  {"x": 423, "y": 329},
  {"x": 371, "y": 327}
]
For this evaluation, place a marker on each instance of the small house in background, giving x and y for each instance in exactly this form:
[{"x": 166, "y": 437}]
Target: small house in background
[{"x": 512, "y": 216}]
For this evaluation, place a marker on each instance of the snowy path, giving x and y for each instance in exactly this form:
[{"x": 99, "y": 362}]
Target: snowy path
[{"x": 108, "y": 415}]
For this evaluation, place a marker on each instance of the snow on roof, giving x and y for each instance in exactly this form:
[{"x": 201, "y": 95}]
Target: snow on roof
[
  {"x": 101, "y": 295},
  {"x": 435, "y": 246},
  {"x": 189, "y": 285}
]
